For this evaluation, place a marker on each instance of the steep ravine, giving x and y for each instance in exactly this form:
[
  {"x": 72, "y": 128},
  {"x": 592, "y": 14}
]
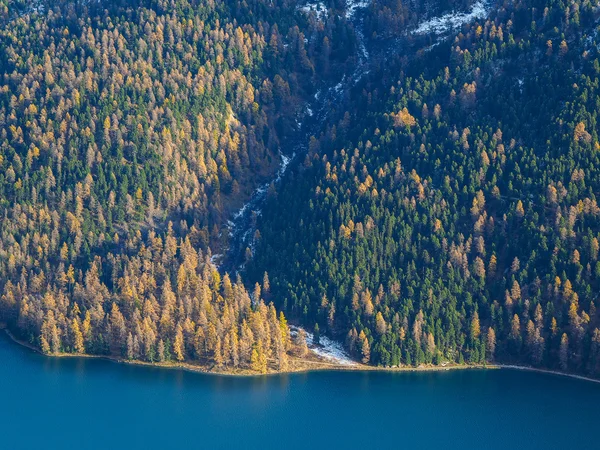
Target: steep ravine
[{"x": 323, "y": 109}]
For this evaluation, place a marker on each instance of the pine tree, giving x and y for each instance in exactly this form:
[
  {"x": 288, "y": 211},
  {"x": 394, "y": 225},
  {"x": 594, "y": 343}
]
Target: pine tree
[
  {"x": 301, "y": 343},
  {"x": 161, "y": 351},
  {"x": 317, "y": 335},
  {"x": 365, "y": 348},
  {"x": 266, "y": 285},
  {"x": 255, "y": 360},
  {"x": 130, "y": 350},
  {"x": 380, "y": 325},
  {"x": 77, "y": 337},
  {"x": 475, "y": 328},
  {"x": 564, "y": 352},
  {"x": 178, "y": 347},
  {"x": 491, "y": 344}
]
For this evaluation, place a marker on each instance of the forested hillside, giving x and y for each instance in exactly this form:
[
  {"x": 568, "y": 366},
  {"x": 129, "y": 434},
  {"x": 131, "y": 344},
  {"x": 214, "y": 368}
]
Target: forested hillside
[
  {"x": 443, "y": 212},
  {"x": 129, "y": 132},
  {"x": 451, "y": 215},
  {"x": 388, "y": 18}
]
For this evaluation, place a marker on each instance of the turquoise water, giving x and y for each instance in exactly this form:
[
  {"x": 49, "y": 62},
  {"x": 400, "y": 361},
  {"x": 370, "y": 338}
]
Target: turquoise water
[{"x": 86, "y": 403}]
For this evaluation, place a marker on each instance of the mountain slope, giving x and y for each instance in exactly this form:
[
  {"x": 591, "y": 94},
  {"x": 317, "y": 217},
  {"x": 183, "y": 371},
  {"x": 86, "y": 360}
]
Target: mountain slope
[
  {"x": 129, "y": 131},
  {"x": 451, "y": 215}
]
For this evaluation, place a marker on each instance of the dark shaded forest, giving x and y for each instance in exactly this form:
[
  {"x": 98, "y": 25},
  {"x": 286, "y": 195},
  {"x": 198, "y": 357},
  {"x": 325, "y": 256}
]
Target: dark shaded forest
[{"x": 450, "y": 215}]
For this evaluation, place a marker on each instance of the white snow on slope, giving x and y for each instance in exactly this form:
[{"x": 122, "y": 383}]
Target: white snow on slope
[
  {"x": 216, "y": 259},
  {"x": 285, "y": 160},
  {"x": 253, "y": 206},
  {"x": 353, "y": 5},
  {"x": 318, "y": 8},
  {"x": 328, "y": 349},
  {"x": 453, "y": 20}
]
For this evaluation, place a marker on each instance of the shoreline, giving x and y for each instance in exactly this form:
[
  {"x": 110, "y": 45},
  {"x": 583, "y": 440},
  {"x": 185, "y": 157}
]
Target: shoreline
[
  {"x": 302, "y": 366},
  {"x": 547, "y": 372},
  {"x": 196, "y": 368}
]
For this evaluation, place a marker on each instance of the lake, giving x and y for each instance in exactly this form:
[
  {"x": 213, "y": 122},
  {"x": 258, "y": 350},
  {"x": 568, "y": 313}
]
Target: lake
[{"x": 54, "y": 403}]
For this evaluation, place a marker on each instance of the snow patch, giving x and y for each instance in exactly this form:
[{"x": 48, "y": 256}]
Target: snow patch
[
  {"x": 33, "y": 8},
  {"x": 353, "y": 5},
  {"x": 327, "y": 349},
  {"x": 453, "y": 20},
  {"x": 431, "y": 47},
  {"x": 318, "y": 8}
]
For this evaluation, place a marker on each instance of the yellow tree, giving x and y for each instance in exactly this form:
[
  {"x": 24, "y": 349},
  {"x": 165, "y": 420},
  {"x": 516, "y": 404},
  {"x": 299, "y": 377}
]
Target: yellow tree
[
  {"x": 564, "y": 352},
  {"x": 178, "y": 347},
  {"x": 380, "y": 325},
  {"x": 365, "y": 348},
  {"x": 475, "y": 327},
  {"x": 491, "y": 343},
  {"x": 77, "y": 337}
]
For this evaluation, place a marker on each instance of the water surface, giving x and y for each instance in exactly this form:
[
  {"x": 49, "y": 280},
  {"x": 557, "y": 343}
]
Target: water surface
[{"x": 54, "y": 403}]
